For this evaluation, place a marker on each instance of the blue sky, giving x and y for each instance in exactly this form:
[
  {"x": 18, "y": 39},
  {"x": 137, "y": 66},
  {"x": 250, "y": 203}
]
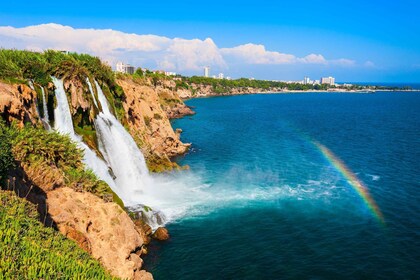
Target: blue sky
[{"x": 357, "y": 40}]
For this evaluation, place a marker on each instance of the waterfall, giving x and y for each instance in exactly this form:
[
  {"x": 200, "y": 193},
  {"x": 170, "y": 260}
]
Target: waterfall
[
  {"x": 62, "y": 115},
  {"x": 132, "y": 181},
  {"x": 45, "y": 119},
  {"x": 64, "y": 125},
  {"x": 121, "y": 152},
  {"x": 91, "y": 92}
]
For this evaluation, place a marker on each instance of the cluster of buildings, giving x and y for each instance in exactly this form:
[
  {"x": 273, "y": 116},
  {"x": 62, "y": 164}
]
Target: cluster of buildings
[
  {"x": 220, "y": 76},
  {"x": 128, "y": 69},
  {"x": 125, "y": 68},
  {"x": 324, "y": 80}
]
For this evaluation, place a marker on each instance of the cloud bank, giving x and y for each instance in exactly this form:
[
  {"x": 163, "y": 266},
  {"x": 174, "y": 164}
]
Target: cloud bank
[{"x": 152, "y": 51}]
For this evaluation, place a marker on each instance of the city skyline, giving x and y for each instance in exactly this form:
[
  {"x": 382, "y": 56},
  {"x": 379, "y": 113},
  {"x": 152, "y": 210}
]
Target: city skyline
[{"x": 352, "y": 41}]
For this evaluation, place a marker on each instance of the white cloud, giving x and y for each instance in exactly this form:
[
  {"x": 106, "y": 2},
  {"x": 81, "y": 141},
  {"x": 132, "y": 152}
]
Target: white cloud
[
  {"x": 150, "y": 50},
  {"x": 257, "y": 54},
  {"x": 369, "y": 64},
  {"x": 191, "y": 54},
  {"x": 314, "y": 58},
  {"x": 344, "y": 62}
]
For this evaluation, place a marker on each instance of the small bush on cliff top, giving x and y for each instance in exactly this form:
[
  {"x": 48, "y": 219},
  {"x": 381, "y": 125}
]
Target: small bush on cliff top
[{"x": 31, "y": 251}]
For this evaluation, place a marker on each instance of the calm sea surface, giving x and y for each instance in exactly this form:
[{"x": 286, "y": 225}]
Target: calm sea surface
[{"x": 277, "y": 208}]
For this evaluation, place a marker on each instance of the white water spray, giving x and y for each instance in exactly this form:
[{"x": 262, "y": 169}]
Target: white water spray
[{"x": 64, "y": 125}]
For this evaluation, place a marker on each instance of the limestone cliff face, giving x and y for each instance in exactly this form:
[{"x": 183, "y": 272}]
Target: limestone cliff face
[
  {"x": 103, "y": 229},
  {"x": 148, "y": 121},
  {"x": 18, "y": 103}
]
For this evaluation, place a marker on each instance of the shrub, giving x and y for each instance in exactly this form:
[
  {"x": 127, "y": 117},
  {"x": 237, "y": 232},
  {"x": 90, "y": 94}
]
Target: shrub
[
  {"x": 51, "y": 150},
  {"x": 6, "y": 156}
]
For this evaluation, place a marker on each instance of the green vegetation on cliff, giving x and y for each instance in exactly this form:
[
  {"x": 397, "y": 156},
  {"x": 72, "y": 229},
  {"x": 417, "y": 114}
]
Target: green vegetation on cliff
[
  {"x": 6, "y": 156},
  {"x": 17, "y": 66},
  {"x": 221, "y": 86},
  {"x": 27, "y": 65},
  {"x": 28, "y": 250},
  {"x": 54, "y": 156}
]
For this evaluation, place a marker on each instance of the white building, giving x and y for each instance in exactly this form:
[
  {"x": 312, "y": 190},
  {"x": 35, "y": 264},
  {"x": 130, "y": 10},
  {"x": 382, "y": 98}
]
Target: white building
[
  {"x": 307, "y": 81},
  {"x": 124, "y": 68},
  {"x": 221, "y": 76},
  {"x": 207, "y": 71},
  {"x": 170, "y": 73},
  {"x": 328, "y": 80}
]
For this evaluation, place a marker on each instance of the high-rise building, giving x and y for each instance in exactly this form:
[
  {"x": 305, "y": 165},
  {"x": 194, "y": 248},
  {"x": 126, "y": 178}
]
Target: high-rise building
[
  {"x": 306, "y": 81},
  {"x": 124, "y": 68},
  {"x": 207, "y": 71},
  {"x": 328, "y": 80}
]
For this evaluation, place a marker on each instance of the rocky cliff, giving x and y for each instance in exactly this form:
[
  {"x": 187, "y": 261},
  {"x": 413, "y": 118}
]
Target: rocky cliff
[
  {"x": 98, "y": 225},
  {"x": 17, "y": 103},
  {"x": 50, "y": 174},
  {"x": 148, "y": 110},
  {"x": 48, "y": 168}
]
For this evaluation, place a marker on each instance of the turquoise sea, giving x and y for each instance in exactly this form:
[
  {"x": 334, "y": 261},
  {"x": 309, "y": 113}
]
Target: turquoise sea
[{"x": 277, "y": 208}]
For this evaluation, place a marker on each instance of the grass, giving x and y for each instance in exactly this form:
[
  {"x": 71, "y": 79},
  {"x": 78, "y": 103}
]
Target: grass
[{"x": 28, "y": 250}]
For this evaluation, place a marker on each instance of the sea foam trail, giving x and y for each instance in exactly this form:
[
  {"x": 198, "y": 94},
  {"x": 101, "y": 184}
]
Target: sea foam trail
[{"x": 64, "y": 125}]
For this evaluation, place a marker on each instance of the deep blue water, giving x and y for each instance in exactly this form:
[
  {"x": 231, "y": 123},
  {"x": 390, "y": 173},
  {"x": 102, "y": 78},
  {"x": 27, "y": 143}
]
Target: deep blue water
[{"x": 277, "y": 209}]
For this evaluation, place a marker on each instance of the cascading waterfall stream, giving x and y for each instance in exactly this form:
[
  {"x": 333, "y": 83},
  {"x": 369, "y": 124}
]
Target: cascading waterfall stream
[
  {"x": 45, "y": 119},
  {"x": 64, "y": 124},
  {"x": 126, "y": 160},
  {"x": 121, "y": 152},
  {"x": 91, "y": 92}
]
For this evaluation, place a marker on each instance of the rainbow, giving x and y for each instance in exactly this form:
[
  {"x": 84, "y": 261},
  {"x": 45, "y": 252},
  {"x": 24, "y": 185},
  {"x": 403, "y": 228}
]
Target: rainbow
[{"x": 352, "y": 180}]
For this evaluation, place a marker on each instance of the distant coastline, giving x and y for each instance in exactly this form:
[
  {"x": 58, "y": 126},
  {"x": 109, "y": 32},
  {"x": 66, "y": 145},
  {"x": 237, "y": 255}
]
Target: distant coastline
[{"x": 329, "y": 91}]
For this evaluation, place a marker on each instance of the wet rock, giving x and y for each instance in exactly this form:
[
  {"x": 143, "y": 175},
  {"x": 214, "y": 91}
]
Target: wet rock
[
  {"x": 142, "y": 275},
  {"x": 161, "y": 234}
]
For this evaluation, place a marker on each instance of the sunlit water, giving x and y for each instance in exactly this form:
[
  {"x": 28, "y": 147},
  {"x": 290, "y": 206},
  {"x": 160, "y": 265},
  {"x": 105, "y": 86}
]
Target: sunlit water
[{"x": 261, "y": 201}]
